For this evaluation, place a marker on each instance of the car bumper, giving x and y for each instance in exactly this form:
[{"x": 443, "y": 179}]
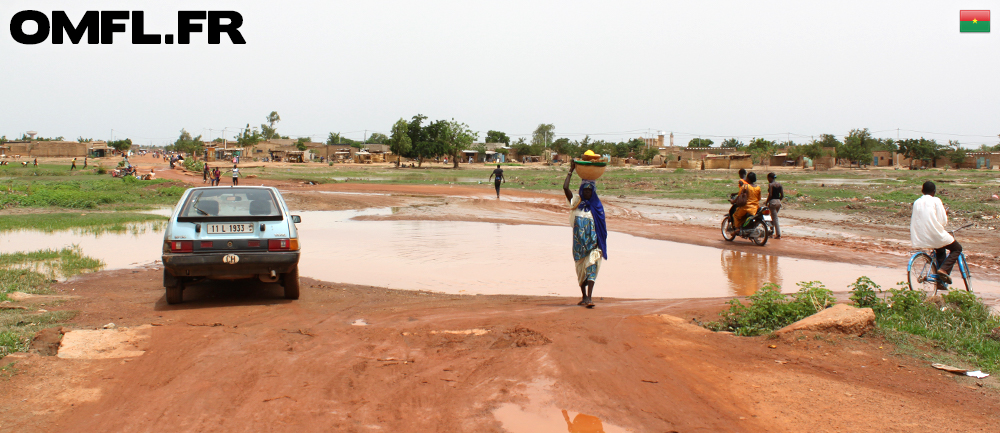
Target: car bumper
[{"x": 212, "y": 265}]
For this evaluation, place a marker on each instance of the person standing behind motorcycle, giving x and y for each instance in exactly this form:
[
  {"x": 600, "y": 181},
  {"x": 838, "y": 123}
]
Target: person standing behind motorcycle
[
  {"x": 748, "y": 208},
  {"x": 775, "y": 194}
]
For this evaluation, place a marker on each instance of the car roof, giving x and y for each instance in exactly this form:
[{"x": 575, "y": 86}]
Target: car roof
[{"x": 269, "y": 188}]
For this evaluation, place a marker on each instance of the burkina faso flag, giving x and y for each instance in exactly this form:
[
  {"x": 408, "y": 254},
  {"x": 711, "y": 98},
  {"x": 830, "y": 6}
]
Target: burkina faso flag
[{"x": 975, "y": 21}]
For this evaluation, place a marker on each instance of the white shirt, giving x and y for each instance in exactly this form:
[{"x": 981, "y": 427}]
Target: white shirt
[{"x": 927, "y": 224}]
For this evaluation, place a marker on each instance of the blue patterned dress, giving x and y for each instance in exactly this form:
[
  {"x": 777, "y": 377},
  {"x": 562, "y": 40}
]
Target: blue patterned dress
[{"x": 586, "y": 252}]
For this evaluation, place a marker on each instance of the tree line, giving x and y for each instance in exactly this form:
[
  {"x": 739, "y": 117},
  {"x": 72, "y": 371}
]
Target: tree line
[{"x": 858, "y": 147}]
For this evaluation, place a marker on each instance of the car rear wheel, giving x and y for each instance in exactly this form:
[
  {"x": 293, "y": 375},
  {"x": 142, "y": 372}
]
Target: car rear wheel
[
  {"x": 175, "y": 292},
  {"x": 291, "y": 284}
]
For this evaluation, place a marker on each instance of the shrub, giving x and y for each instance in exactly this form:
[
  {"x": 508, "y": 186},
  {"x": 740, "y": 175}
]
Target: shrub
[{"x": 769, "y": 309}]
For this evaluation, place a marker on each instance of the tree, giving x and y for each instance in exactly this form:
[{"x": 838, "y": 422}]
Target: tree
[
  {"x": 454, "y": 137},
  {"x": 920, "y": 149},
  {"x": 701, "y": 142},
  {"x": 958, "y": 153},
  {"x": 522, "y": 148},
  {"x": 377, "y": 138},
  {"x": 268, "y": 131},
  {"x": 857, "y": 146},
  {"x": 184, "y": 143},
  {"x": 544, "y": 135},
  {"x": 400, "y": 142},
  {"x": 732, "y": 143},
  {"x": 126, "y": 144},
  {"x": 249, "y": 137},
  {"x": 761, "y": 150},
  {"x": 563, "y": 146},
  {"x": 80, "y": 139},
  {"x": 300, "y": 144},
  {"x": 649, "y": 153},
  {"x": 814, "y": 149},
  {"x": 497, "y": 137}
]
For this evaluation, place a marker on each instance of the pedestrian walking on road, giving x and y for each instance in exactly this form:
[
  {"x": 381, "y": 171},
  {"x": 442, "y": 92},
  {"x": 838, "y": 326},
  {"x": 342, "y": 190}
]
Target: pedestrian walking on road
[
  {"x": 499, "y": 177},
  {"x": 590, "y": 234},
  {"x": 85, "y": 162},
  {"x": 775, "y": 194},
  {"x": 216, "y": 176},
  {"x": 205, "y": 174},
  {"x": 73, "y": 167}
]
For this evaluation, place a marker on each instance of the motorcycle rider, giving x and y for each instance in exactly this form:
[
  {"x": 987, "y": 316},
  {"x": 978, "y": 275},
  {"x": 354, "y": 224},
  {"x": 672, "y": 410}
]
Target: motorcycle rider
[
  {"x": 749, "y": 208},
  {"x": 732, "y": 199}
]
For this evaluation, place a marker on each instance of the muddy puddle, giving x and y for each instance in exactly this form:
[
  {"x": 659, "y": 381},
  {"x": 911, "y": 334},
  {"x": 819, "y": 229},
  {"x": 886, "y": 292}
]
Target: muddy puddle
[
  {"x": 488, "y": 258},
  {"x": 539, "y": 413}
]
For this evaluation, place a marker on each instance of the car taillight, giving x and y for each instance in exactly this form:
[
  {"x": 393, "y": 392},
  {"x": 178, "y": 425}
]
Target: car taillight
[
  {"x": 206, "y": 244},
  {"x": 181, "y": 246},
  {"x": 253, "y": 244},
  {"x": 283, "y": 245}
]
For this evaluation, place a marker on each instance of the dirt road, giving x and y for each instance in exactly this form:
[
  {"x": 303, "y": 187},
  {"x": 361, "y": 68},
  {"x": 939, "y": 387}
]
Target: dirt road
[{"x": 349, "y": 358}]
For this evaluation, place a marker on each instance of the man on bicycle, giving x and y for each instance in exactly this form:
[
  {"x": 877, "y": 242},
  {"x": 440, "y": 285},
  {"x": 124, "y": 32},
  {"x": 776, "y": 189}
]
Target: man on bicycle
[{"x": 927, "y": 231}]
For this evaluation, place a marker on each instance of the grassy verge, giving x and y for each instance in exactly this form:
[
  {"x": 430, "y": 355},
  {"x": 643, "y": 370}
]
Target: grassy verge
[
  {"x": 91, "y": 223},
  {"x": 52, "y": 186},
  {"x": 956, "y": 325},
  {"x": 34, "y": 272}
]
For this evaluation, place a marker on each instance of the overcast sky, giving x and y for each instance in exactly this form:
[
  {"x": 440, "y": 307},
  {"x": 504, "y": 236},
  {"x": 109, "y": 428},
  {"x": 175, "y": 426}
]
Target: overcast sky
[{"x": 611, "y": 69}]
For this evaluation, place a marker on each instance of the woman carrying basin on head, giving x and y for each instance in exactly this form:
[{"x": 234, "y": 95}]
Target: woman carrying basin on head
[{"x": 590, "y": 234}]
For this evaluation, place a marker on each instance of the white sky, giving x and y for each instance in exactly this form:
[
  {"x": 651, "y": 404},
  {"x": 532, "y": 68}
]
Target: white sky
[{"x": 613, "y": 69}]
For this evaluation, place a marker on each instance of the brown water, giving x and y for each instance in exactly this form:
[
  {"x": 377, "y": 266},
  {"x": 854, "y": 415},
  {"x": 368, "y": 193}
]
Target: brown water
[
  {"x": 542, "y": 415},
  {"x": 488, "y": 258}
]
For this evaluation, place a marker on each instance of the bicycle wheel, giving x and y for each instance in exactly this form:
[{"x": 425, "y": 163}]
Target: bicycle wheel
[
  {"x": 963, "y": 267},
  {"x": 919, "y": 274},
  {"x": 728, "y": 233}
]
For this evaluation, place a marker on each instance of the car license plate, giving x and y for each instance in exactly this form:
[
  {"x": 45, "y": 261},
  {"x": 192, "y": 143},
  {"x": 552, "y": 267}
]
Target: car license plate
[{"x": 225, "y": 229}]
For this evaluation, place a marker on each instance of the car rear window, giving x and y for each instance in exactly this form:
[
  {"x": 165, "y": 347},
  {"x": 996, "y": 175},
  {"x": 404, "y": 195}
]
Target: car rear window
[{"x": 230, "y": 203}]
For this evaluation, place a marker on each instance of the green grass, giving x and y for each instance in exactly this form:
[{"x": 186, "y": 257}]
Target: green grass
[
  {"x": 90, "y": 223},
  {"x": 958, "y": 325},
  {"x": 33, "y": 272},
  {"x": 17, "y": 327},
  {"x": 89, "y": 192}
]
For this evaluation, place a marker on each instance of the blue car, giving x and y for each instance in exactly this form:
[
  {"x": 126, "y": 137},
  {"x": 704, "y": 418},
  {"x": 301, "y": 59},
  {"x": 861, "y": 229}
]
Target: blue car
[{"x": 229, "y": 234}]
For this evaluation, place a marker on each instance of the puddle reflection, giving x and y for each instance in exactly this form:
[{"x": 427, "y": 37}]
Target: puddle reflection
[{"x": 748, "y": 272}]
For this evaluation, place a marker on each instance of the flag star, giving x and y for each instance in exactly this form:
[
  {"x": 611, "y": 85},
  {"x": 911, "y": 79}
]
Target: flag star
[{"x": 974, "y": 21}]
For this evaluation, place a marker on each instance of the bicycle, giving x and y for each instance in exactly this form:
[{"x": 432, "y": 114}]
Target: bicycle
[{"x": 921, "y": 273}]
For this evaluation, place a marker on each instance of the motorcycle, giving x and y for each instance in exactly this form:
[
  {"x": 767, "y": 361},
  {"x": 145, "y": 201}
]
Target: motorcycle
[
  {"x": 754, "y": 228},
  {"x": 768, "y": 223}
]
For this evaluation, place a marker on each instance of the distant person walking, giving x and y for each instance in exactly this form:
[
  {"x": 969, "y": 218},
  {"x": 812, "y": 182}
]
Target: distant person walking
[
  {"x": 775, "y": 194},
  {"x": 498, "y": 173},
  {"x": 205, "y": 174},
  {"x": 36, "y": 162},
  {"x": 85, "y": 162},
  {"x": 73, "y": 166},
  {"x": 216, "y": 176},
  {"x": 590, "y": 234}
]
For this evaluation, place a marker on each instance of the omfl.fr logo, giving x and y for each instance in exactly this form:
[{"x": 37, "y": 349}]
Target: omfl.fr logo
[{"x": 100, "y": 27}]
